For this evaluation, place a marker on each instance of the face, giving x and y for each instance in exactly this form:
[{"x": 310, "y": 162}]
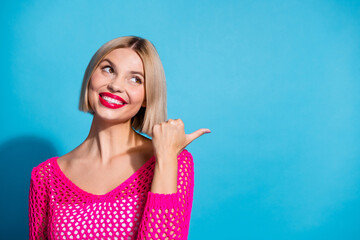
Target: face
[{"x": 117, "y": 86}]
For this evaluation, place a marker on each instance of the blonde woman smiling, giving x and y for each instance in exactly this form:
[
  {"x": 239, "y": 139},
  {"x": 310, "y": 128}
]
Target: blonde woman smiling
[{"x": 118, "y": 184}]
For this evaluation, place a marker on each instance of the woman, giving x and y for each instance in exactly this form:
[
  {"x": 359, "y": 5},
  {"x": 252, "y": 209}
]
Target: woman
[{"x": 119, "y": 184}]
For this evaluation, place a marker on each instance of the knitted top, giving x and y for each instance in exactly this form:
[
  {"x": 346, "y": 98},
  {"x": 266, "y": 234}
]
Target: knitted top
[{"x": 58, "y": 209}]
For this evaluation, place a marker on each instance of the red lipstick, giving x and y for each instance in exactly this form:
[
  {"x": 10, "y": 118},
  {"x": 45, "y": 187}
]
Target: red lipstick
[{"x": 111, "y": 101}]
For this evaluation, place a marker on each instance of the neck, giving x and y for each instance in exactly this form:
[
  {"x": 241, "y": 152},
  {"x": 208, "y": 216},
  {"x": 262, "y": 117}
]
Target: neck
[{"x": 107, "y": 140}]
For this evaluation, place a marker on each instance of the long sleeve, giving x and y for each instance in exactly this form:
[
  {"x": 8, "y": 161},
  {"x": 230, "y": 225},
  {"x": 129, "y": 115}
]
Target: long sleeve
[
  {"x": 38, "y": 202},
  {"x": 167, "y": 216}
]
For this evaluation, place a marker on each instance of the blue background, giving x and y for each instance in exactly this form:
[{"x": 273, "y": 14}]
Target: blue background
[{"x": 277, "y": 82}]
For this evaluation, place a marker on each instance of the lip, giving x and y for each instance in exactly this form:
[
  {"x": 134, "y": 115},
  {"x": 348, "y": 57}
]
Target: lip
[{"x": 111, "y": 105}]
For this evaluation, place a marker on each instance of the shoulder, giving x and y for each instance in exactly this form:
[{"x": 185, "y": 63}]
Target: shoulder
[
  {"x": 185, "y": 157},
  {"x": 185, "y": 169},
  {"x": 42, "y": 170},
  {"x": 185, "y": 154}
]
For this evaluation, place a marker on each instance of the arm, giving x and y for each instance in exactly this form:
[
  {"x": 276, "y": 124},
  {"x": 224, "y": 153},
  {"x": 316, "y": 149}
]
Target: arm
[
  {"x": 167, "y": 215},
  {"x": 37, "y": 206}
]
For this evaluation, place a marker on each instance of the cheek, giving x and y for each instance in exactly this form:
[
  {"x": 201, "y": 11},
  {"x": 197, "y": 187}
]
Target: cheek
[
  {"x": 94, "y": 85},
  {"x": 141, "y": 94},
  {"x": 137, "y": 94},
  {"x": 95, "y": 81}
]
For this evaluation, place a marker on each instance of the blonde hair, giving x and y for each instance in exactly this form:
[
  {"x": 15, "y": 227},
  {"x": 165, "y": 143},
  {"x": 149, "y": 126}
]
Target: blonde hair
[{"x": 155, "y": 82}]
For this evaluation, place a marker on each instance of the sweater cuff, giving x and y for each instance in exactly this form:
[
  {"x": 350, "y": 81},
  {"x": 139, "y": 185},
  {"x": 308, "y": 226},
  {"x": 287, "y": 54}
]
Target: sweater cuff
[{"x": 161, "y": 201}]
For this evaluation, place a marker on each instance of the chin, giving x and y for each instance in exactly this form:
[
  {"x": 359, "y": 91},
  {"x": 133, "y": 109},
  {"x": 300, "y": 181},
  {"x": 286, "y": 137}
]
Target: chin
[{"x": 111, "y": 117}]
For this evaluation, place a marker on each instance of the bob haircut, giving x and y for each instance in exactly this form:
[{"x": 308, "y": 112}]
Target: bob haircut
[{"x": 155, "y": 83}]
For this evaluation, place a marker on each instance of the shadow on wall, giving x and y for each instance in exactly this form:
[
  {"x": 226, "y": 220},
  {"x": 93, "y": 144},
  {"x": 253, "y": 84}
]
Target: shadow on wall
[{"x": 17, "y": 157}]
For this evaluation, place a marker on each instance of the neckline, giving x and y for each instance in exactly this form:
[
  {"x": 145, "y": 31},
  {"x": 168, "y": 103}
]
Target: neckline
[{"x": 83, "y": 192}]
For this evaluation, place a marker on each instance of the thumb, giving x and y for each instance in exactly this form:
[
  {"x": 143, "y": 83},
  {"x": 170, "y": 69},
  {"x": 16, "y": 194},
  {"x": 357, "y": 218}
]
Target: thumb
[{"x": 192, "y": 136}]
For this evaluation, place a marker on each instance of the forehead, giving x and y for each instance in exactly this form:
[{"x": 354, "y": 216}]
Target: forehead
[{"x": 125, "y": 59}]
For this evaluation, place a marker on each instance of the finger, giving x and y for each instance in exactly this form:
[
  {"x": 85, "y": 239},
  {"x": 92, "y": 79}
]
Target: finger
[
  {"x": 192, "y": 136},
  {"x": 172, "y": 121}
]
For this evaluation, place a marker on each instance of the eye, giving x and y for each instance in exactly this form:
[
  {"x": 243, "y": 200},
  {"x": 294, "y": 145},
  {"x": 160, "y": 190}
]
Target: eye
[
  {"x": 137, "y": 79},
  {"x": 108, "y": 69}
]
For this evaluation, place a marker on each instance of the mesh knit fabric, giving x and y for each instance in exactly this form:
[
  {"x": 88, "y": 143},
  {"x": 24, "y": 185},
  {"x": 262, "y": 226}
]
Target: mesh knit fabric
[{"x": 58, "y": 209}]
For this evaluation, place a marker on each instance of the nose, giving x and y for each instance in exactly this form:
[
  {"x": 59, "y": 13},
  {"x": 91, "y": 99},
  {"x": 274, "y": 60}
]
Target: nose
[{"x": 116, "y": 84}]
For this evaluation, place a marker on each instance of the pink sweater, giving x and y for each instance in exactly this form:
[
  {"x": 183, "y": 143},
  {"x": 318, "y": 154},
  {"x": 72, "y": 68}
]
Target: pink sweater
[{"x": 58, "y": 209}]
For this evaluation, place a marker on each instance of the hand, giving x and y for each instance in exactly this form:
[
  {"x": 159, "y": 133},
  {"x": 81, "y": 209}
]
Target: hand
[{"x": 169, "y": 137}]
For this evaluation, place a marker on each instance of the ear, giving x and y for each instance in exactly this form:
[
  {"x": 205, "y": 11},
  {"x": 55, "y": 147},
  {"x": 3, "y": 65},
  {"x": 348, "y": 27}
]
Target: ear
[{"x": 144, "y": 103}]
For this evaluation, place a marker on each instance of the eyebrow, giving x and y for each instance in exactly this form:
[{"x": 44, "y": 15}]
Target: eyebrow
[{"x": 113, "y": 65}]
